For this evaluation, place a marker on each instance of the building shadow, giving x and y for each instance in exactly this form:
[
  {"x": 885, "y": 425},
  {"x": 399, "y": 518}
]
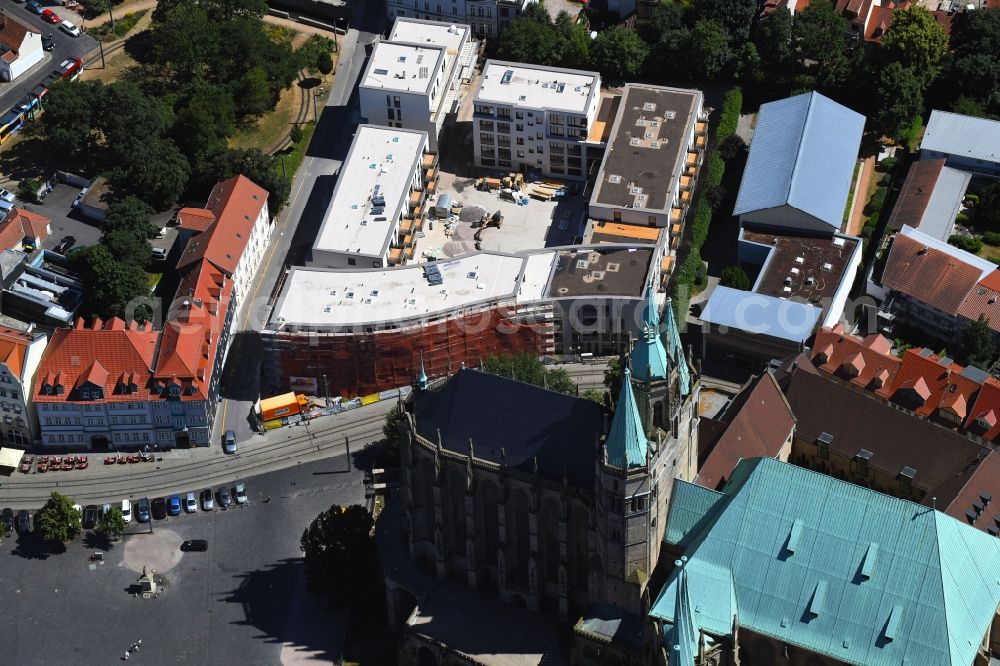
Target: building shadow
[
  {"x": 275, "y": 602},
  {"x": 241, "y": 373},
  {"x": 313, "y": 214}
]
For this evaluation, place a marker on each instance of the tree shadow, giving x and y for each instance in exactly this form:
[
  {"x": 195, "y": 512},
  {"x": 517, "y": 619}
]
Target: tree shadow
[
  {"x": 276, "y": 602},
  {"x": 94, "y": 540},
  {"x": 140, "y": 47},
  {"x": 309, "y": 83},
  {"x": 32, "y": 546}
]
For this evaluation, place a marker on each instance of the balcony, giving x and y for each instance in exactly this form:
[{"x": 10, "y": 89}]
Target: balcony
[
  {"x": 700, "y": 142},
  {"x": 409, "y": 252},
  {"x": 429, "y": 161},
  {"x": 406, "y": 226},
  {"x": 676, "y": 230},
  {"x": 693, "y": 159},
  {"x": 701, "y": 128},
  {"x": 685, "y": 197},
  {"x": 418, "y": 213},
  {"x": 395, "y": 256},
  {"x": 431, "y": 187},
  {"x": 408, "y": 240},
  {"x": 416, "y": 199},
  {"x": 676, "y": 215},
  {"x": 430, "y": 175},
  {"x": 686, "y": 182}
]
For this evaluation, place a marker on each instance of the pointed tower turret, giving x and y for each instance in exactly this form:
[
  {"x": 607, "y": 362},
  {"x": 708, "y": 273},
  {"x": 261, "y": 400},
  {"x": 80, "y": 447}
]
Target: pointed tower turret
[
  {"x": 422, "y": 379},
  {"x": 649, "y": 356},
  {"x": 627, "y": 443},
  {"x": 676, "y": 351},
  {"x": 682, "y": 640}
]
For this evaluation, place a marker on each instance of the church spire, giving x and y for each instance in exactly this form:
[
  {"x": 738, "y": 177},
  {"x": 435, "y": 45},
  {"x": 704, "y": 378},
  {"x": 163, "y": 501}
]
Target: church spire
[
  {"x": 626, "y": 444},
  {"x": 649, "y": 356},
  {"x": 676, "y": 351},
  {"x": 422, "y": 379},
  {"x": 683, "y": 637}
]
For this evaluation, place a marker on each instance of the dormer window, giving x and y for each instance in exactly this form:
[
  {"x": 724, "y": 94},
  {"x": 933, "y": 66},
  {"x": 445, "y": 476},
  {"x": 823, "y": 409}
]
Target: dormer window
[
  {"x": 85, "y": 394},
  {"x": 47, "y": 389},
  {"x": 59, "y": 389},
  {"x": 174, "y": 391},
  {"x": 98, "y": 394}
]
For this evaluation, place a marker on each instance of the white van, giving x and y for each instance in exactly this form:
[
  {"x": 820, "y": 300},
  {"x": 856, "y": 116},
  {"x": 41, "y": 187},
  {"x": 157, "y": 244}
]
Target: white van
[
  {"x": 127, "y": 510},
  {"x": 69, "y": 29}
]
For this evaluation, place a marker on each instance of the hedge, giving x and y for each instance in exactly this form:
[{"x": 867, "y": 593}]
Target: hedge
[
  {"x": 714, "y": 171},
  {"x": 967, "y": 243},
  {"x": 992, "y": 238}
]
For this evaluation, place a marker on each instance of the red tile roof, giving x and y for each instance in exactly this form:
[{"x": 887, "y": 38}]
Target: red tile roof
[
  {"x": 12, "y": 36},
  {"x": 916, "y": 194},
  {"x": 21, "y": 224},
  {"x": 195, "y": 219},
  {"x": 236, "y": 204},
  {"x": 981, "y": 489},
  {"x": 13, "y": 346},
  {"x": 99, "y": 354},
  {"x": 986, "y": 410},
  {"x": 759, "y": 429},
  {"x": 190, "y": 338},
  {"x": 928, "y": 274},
  {"x": 984, "y": 300},
  {"x": 927, "y": 382},
  {"x": 877, "y": 368}
]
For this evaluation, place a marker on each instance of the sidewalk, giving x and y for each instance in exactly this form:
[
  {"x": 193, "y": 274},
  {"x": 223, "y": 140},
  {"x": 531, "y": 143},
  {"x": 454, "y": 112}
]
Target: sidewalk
[{"x": 191, "y": 469}]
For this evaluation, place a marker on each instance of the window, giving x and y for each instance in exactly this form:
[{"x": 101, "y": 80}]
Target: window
[
  {"x": 618, "y": 216},
  {"x": 485, "y": 138},
  {"x": 859, "y": 466},
  {"x": 351, "y": 261},
  {"x": 503, "y": 113},
  {"x": 503, "y": 127},
  {"x": 485, "y": 125},
  {"x": 519, "y": 127},
  {"x": 519, "y": 115}
]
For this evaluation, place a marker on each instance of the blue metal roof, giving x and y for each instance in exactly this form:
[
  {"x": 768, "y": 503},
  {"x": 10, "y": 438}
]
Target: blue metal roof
[
  {"x": 839, "y": 570},
  {"x": 761, "y": 314},
  {"x": 626, "y": 444},
  {"x": 803, "y": 154}
]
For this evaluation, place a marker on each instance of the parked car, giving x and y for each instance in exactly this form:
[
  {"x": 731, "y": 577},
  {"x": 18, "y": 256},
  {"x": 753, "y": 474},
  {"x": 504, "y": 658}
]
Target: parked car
[
  {"x": 7, "y": 195},
  {"x": 159, "y": 253},
  {"x": 69, "y": 29},
  {"x": 47, "y": 42},
  {"x": 240, "y": 492},
  {"x": 23, "y": 522},
  {"x": 229, "y": 442},
  {"x": 207, "y": 500},
  {"x": 105, "y": 508},
  {"x": 89, "y": 517},
  {"x": 127, "y": 510},
  {"x": 34, "y": 7},
  {"x": 50, "y": 16},
  {"x": 159, "y": 508},
  {"x": 142, "y": 510},
  {"x": 174, "y": 505},
  {"x": 199, "y": 545},
  {"x": 190, "y": 503},
  {"x": 225, "y": 499},
  {"x": 8, "y": 519},
  {"x": 79, "y": 512},
  {"x": 65, "y": 244}
]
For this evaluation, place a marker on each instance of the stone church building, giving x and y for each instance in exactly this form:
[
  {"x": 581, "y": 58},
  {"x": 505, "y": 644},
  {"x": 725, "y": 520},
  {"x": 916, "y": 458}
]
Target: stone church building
[{"x": 546, "y": 501}]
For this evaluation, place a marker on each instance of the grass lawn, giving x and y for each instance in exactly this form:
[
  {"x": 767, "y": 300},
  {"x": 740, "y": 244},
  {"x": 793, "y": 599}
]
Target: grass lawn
[
  {"x": 293, "y": 158},
  {"x": 850, "y": 194},
  {"x": 106, "y": 33},
  {"x": 153, "y": 279},
  {"x": 268, "y": 132},
  {"x": 991, "y": 252}
]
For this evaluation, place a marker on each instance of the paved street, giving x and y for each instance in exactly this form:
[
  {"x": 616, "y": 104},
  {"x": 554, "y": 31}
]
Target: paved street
[
  {"x": 65, "y": 47},
  {"x": 299, "y": 223},
  {"x": 241, "y": 602},
  {"x": 191, "y": 469}
]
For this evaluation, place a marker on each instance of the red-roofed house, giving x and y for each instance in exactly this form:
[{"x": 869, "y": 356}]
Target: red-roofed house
[
  {"x": 23, "y": 227},
  {"x": 236, "y": 241},
  {"x": 20, "y": 48},
  {"x": 20, "y": 354},
  {"x": 867, "y": 364}
]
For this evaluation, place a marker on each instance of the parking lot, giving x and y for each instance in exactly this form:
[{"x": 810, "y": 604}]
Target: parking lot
[
  {"x": 536, "y": 225},
  {"x": 64, "y": 220},
  {"x": 241, "y": 601}
]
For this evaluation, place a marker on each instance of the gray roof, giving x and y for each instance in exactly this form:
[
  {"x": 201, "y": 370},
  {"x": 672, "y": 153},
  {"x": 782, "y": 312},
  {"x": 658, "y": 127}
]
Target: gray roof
[
  {"x": 761, "y": 314},
  {"x": 964, "y": 136},
  {"x": 939, "y": 217},
  {"x": 803, "y": 155}
]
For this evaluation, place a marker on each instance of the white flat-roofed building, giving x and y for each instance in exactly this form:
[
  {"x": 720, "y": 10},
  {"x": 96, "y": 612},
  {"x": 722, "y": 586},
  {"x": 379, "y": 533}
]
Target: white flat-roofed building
[
  {"x": 380, "y": 184},
  {"x": 488, "y": 18},
  {"x": 534, "y": 118},
  {"x": 412, "y": 79}
]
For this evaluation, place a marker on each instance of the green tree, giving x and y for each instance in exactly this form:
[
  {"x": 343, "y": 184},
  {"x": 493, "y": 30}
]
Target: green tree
[
  {"x": 28, "y": 190},
  {"x": 709, "y": 50},
  {"x": 976, "y": 345},
  {"x": 58, "y": 520},
  {"x": 112, "y": 524},
  {"x": 967, "y": 106},
  {"x": 618, "y": 54},
  {"x": 157, "y": 173},
  {"x": 734, "y": 17},
  {"x": 736, "y": 278},
  {"x": 898, "y": 97},
  {"x": 593, "y": 395},
  {"x": 774, "y": 44},
  {"x": 128, "y": 119},
  {"x": 255, "y": 165},
  {"x": 975, "y": 42},
  {"x": 127, "y": 230},
  {"x": 390, "y": 429},
  {"x": 114, "y": 284},
  {"x": 916, "y": 41},
  {"x": 204, "y": 120},
  {"x": 529, "y": 40},
  {"x": 69, "y": 114},
  {"x": 339, "y": 553},
  {"x": 253, "y": 93},
  {"x": 613, "y": 377},
  {"x": 820, "y": 34},
  {"x": 576, "y": 40},
  {"x": 324, "y": 63},
  {"x": 527, "y": 368},
  {"x": 987, "y": 209},
  {"x": 296, "y": 134}
]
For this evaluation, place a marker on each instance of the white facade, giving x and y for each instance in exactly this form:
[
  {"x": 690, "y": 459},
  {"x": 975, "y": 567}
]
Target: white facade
[
  {"x": 19, "y": 425},
  {"x": 534, "y": 118},
  {"x": 253, "y": 254},
  {"x": 412, "y": 79},
  {"x": 29, "y": 54},
  {"x": 372, "y": 195},
  {"x": 487, "y": 18},
  {"x": 124, "y": 425}
]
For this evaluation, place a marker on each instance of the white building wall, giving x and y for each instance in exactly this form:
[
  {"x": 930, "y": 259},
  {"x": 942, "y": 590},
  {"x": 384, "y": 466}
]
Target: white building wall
[
  {"x": 253, "y": 253},
  {"x": 835, "y": 311},
  {"x": 409, "y": 110},
  {"x": 29, "y": 55}
]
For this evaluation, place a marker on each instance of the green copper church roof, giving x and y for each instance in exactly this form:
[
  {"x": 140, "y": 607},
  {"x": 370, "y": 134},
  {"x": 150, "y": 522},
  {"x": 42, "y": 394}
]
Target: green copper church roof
[
  {"x": 835, "y": 568},
  {"x": 626, "y": 444},
  {"x": 682, "y": 638},
  {"x": 649, "y": 356},
  {"x": 676, "y": 351}
]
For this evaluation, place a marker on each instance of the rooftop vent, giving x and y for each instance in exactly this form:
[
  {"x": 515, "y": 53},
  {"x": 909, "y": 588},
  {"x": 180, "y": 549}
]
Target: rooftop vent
[
  {"x": 582, "y": 264},
  {"x": 818, "y": 602},
  {"x": 868, "y": 564},
  {"x": 649, "y": 106},
  {"x": 507, "y": 76},
  {"x": 827, "y": 266},
  {"x": 800, "y": 260},
  {"x": 838, "y": 242},
  {"x": 864, "y": 454},
  {"x": 634, "y": 141},
  {"x": 614, "y": 179},
  {"x": 669, "y": 115},
  {"x": 908, "y": 472},
  {"x": 381, "y": 72},
  {"x": 794, "y": 536}
]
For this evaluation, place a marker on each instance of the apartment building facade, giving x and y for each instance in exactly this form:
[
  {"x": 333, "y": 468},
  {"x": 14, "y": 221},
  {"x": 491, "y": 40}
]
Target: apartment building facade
[
  {"x": 413, "y": 78},
  {"x": 20, "y": 353},
  {"x": 535, "y": 118},
  {"x": 487, "y": 18}
]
